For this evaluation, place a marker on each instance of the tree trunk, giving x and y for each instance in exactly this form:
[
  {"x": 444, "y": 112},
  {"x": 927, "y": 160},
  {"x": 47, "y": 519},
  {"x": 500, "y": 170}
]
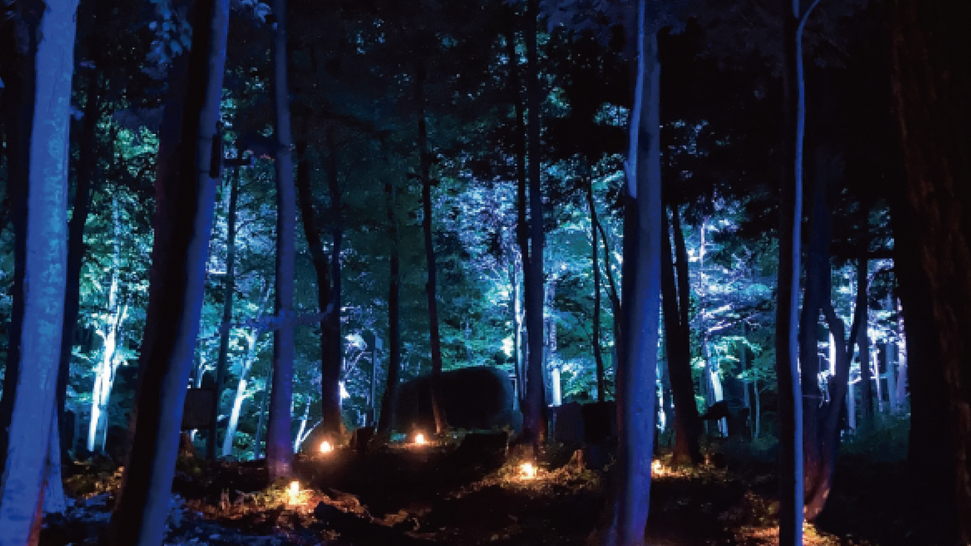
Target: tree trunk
[
  {"x": 535, "y": 424},
  {"x": 333, "y": 349},
  {"x": 818, "y": 271},
  {"x": 901, "y": 370},
  {"x": 233, "y": 422},
  {"x": 329, "y": 337},
  {"x": 863, "y": 342},
  {"x": 394, "y": 320},
  {"x": 115, "y": 316},
  {"x": 641, "y": 292},
  {"x": 34, "y": 394},
  {"x": 687, "y": 426},
  {"x": 229, "y": 289},
  {"x": 279, "y": 449},
  {"x": 435, "y": 341},
  {"x": 931, "y": 55},
  {"x": 185, "y": 202},
  {"x": 84, "y": 176},
  {"x": 595, "y": 253},
  {"x": 18, "y": 75},
  {"x": 790, "y": 218}
]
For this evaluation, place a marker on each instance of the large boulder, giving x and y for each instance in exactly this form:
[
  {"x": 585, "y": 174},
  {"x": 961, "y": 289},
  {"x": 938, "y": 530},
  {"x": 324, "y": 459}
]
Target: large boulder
[{"x": 474, "y": 398}]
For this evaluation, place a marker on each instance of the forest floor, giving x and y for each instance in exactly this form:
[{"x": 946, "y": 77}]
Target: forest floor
[{"x": 440, "y": 494}]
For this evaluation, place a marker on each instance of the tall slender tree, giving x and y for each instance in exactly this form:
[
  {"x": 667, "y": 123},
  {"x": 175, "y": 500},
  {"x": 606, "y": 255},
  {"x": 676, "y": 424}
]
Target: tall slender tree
[
  {"x": 185, "y": 203},
  {"x": 424, "y": 172},
  {"x": 229, "y": 289},
  {"x": 787, "y": 310},
  {"x": 279, "y": 446}
]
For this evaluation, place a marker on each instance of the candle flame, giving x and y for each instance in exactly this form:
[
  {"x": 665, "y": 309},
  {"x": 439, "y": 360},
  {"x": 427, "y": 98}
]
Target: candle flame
[
  {"x": 657, "y": 468},
  {"x": 528, "y": 471},
  {"x": 326, "y": 447}
]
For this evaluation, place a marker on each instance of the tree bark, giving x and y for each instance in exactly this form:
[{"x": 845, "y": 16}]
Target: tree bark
[
  {"x": 643, "y": 247},
  {"x": 279, "y": 449},
  {"x": 185, "y": 202},
  {"x": 931, "y": 53},
  {"x": 34, "y": 393}
]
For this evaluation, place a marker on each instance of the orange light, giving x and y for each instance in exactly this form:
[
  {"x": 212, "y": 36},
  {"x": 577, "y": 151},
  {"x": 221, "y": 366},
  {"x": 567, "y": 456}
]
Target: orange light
[
  {"x": 528, "y": 471},
  {"x": 294, "y": 488},
  {"x": 419, "y": 438},
  {"x": 326, "y": 447}
]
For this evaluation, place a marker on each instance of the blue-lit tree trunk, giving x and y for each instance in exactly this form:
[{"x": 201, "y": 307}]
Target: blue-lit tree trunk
[
  {"x": 787, "y": 310},
  {"x": 279, "y": 447},
  {"x": 185, "y": 201},
  {"x": 535, "y": 424},
  {"x": 637, "y": 363},
  {"x": 40, "y": 337}
]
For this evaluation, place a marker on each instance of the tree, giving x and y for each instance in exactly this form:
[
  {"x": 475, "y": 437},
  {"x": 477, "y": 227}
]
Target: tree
[
  {"x": 641, "y": 289},
  {"x": 931, "y": 54},
  {"x": 535, "y": 424},
  {"x": 790, "y": 239},
  {"x": 677, "y": 330},
  {"x": 279, "y": 447},
  {"x": 229, "y": 288},
  {"x": 185, "y": 202},
  {"x": 33, "y": 392},
  {"x": 424, "y": 172}
]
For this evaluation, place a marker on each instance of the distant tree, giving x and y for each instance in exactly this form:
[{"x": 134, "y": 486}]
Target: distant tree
[
  {"x": 185, "y": 201},
  {"x": 33, "y": 388},
  {"x": 931, "y": 55}
]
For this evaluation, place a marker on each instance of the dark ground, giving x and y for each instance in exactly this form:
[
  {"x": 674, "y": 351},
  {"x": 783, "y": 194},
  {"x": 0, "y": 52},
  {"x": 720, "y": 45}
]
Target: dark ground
[{"x": 410, "y": 495}]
